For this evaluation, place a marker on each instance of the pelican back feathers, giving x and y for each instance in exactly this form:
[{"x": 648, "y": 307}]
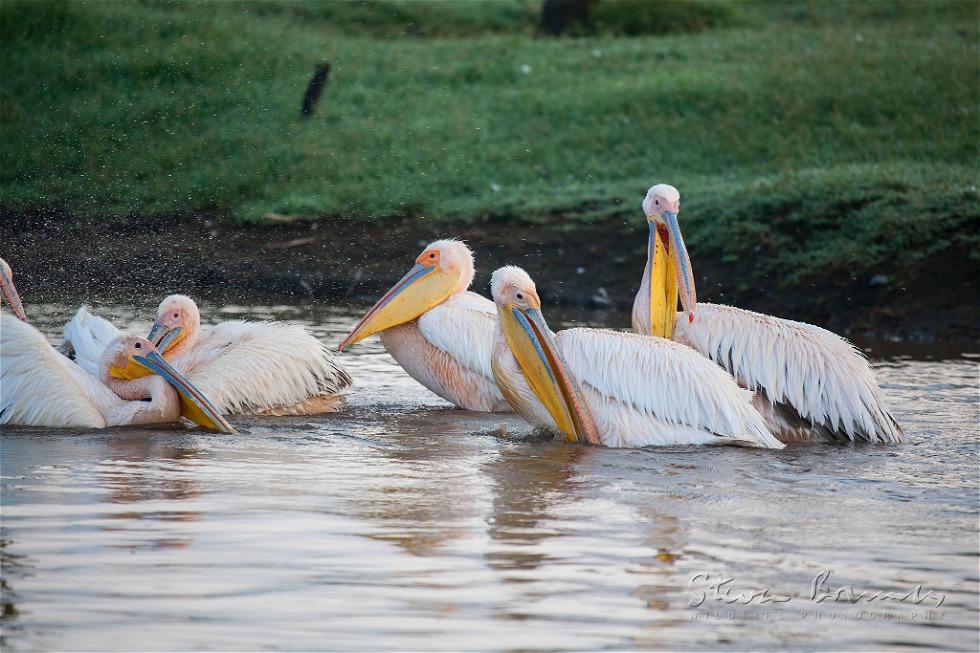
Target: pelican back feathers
[
  {"x": 40, "y": 387},
  {"x": 811, "y": 383},
  {"x": 651, "y": 391},
  {"x": 262, "y": 367}
]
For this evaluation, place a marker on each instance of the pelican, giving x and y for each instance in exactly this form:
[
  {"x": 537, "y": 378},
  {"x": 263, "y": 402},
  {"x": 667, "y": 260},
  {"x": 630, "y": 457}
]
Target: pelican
[
  {"x": 437, "y": 330},
  {"x": 41, "y": 387},
  {"x": 810, "y": 384},
  {"x": 9, "y": 291},
  {"x": 259, "y": 368},
  {"x": 613, "y": 388}
]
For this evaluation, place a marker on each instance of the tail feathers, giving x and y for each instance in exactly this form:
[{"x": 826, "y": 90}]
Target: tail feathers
[{"x": 756, "y": 428}]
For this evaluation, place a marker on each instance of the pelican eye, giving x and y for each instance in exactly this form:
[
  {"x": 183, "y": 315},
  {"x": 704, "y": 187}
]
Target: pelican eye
[
  {"x": 139, "y": 346},
  {"x": 520, "y": 296},
  {"x": 176, "y": 314}
]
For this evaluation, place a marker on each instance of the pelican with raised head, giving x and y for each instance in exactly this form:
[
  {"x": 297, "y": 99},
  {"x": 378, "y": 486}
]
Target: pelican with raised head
[
  {"x": 810, "y": 384},
  {"x": 257, "y": 368},
  {"x": 41, "y": 387},
  {"x": 438, "y": 331},
  {"x": 613, "y": 388}
]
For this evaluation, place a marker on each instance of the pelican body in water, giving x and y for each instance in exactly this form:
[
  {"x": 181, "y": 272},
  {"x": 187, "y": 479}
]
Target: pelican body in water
[
  {"x": 438, "y": 331},
  {"x": 613, "y": 388},
  {"x": 260, "y": 368},
  {"x": 810, "y": 384},
  {"x": 41, "y": 387}
]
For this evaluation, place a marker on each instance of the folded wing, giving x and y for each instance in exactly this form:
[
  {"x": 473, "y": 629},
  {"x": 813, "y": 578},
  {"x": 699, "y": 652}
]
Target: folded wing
[
  {"x": 252, "y": 367},
  {"x": 810, "y": 377},
  {"x": 655, "y": 391},
  {"x": 463, "y": 328},
  {"x": 41, "y": 387}
]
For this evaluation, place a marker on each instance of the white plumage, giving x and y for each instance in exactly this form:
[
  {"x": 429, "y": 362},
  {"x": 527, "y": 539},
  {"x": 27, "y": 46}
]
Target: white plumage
[
  {"x": 263, "y": 368},
  {"x": 447, "y": 350},
  {"x": 641, "y": 390},
  {"x": 41, "y": 387},
  {"x": 438, "y": 331},
  {"x": 88, "y": 335},
  {"x": 268, "y": 368},
  {"x": 810, "y": 383},
  {"x": 646, "y": 391},
  {"x": 37, "y": 386},
  {"x": 462, "y": 326}
]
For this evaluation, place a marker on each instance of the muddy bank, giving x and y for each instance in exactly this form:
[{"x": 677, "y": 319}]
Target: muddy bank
[{"x": 60, "y": 256}]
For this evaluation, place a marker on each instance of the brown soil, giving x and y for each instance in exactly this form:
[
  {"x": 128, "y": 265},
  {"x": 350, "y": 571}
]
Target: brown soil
[{"x": 56, "y": 256}]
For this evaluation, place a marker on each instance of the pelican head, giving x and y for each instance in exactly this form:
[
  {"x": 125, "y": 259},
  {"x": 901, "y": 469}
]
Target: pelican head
[
  {"x": 10, "y": 292},
  {"x": 176, "y": 323},
  {"x": 443, "y": 269},
  {"x": 661, "y": 206},
  {"x": 536, "y": 352},
  {"x": 128, "y": 358}
]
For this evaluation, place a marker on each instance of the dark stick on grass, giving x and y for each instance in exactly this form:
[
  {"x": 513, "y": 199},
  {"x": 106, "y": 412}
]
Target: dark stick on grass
[{"x": 314, "y": 89}]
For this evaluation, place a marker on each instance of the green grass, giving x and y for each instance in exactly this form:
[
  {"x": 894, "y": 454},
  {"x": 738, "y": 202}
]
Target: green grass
[{"x": 457, "y": 110}]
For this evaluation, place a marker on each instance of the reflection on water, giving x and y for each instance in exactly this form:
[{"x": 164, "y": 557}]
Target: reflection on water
[{"x": 402, "y": 523}]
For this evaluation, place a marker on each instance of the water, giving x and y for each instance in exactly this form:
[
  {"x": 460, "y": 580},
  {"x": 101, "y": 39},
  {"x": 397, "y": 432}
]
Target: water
[{"x": 404, "y": 524}]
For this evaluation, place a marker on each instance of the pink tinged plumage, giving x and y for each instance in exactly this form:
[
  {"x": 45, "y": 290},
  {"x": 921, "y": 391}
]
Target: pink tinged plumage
[
  {"x": 447, "y": 347},
  {"x": 447, "y": 350}
]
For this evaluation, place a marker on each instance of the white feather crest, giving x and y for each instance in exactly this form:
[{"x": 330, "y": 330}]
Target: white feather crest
[
  {"x": 666, "y": 191},
  {"x": 821, "y": 375},
  {"x": 510, "y": 275}
]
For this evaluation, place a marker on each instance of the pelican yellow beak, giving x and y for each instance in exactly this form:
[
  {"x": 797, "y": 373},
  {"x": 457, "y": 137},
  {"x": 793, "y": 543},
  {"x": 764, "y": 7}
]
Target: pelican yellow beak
[
  {"x": 425, "y": 286},
  {"x": 10, "y": 293},
  {"x": 662, "y": 283},
  {"x": 194, "y": 405},
  {"x": 165, "y": 338},
  {"x": 534, "y": 347},
  {"x": 668, "y": 278}
]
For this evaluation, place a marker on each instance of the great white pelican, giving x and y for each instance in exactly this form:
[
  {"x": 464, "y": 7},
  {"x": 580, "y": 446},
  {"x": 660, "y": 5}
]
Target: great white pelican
[
  {"x": 255, "y": 368},
  {"x": 810, "y": 384},
  {"x": 613, "y": 388},
  {"x": 438, "y": 331},
  {"x": 41, "y": 387}
]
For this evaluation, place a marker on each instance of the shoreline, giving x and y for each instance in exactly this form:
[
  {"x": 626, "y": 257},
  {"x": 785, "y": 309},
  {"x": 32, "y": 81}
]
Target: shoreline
[{"x": 351, "y": 262}]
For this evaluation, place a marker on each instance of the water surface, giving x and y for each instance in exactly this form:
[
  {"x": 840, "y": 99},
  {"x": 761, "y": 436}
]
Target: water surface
[{"x": 402, "y": 523}]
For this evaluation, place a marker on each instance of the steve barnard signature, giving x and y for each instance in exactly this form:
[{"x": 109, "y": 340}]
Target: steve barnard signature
[{"x": 705, "y": 587}]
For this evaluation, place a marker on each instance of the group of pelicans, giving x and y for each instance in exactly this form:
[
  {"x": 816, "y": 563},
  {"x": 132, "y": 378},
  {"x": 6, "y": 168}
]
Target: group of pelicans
[{"x": 709, "y": 374}]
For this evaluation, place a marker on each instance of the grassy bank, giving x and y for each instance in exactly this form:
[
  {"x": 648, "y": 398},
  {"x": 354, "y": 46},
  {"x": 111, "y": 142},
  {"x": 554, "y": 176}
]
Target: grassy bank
[{"x": 834, "y": 138}]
